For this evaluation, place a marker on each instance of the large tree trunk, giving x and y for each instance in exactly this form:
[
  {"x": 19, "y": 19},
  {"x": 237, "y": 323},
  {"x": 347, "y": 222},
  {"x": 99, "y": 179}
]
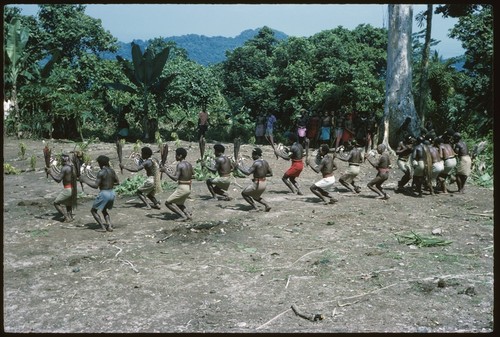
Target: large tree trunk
[
  {"x": 424, "y": 85},
  {"x": 399, "y": 106}
]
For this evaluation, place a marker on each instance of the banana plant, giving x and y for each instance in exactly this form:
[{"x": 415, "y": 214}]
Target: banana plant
[
  {"x": 144, "y": 73},
  {"x": 15, "y": 57}
]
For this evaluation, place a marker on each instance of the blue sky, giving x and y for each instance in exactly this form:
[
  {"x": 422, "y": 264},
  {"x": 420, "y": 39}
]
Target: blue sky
[{"x": 145, "y": 21}]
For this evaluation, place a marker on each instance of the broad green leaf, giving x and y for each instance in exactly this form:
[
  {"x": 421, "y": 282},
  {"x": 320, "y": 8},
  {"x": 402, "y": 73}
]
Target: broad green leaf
[
  {"x": 16, "y": 41},
  {"x": 129, "y": 71},
  {"x": 159, "y": 63},
  {"x": 138, "y": 61},
  {"x": 485, "y": 177},
  {"x": 148, "y": 68},
  {"x": 121, "y": 86}
]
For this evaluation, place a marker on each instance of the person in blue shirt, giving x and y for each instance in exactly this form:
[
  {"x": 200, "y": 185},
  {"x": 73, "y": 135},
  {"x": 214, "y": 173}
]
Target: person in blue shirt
[{"x": 271, "y": 120}]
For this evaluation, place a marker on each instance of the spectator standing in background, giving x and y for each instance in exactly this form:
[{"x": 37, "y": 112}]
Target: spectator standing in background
[
  {"x": 202, "y": 123},
  {"x": 313, "y": 126},
  {"x": 326, "y": 123},
  {"x": 348, "y": 133},
  {"x": 339, "y": 129},
  {"x": 202, "y": 129},
  {"x": 271, "y": 120},
  {"x": 260, "y": 128},
  {"x": 302, "y": 127}
]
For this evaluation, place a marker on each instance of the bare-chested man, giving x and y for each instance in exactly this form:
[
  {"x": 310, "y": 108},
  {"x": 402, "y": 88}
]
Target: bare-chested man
[
  {"x": 203, "y": 123},
  {"x": 183, "y": 175},
  {"x": 354, "y": 158},
  {"x": 105, "y": 181},
  {"x": 418, "y": 164},
  {"x": 295, "y": 154},
  {"x": 437, "y": 162},
  {"x": 224, "y": 167},
  {"x": 464, "y": 161},
  {"x": 403, "y": 151},
  {"x": 450, "y": 162},
  {"x": 260, "y": 170},
  {"x": 382, "y": 167},
  {"x": 326, "y": 166},
  {"x": 339, "y": 128},
  {"x": 149, "y": 188},
  {"x": 66, "y": 200}
]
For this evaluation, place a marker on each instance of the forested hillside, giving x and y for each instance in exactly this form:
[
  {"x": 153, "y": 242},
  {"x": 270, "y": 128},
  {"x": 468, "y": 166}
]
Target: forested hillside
[{"x": 202, "y": 49}]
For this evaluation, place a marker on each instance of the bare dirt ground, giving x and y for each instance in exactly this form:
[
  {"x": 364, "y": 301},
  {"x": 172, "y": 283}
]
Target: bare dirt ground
[{"x": 231, "y": 270}]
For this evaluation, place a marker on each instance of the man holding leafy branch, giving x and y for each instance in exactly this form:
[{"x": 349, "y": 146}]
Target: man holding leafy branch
[{"x": 152, "y": 184}]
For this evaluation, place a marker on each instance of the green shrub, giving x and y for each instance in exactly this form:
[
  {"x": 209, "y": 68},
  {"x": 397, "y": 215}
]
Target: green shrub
[
  {"x": 33, "y": 162},
  {"x": 130, "y": 185},
  {"x": 9, "y": 169},
  {"x": 482, "y": 164},
  {"x": 202, "y": 173},
  {"x": 22, "y": 150}
]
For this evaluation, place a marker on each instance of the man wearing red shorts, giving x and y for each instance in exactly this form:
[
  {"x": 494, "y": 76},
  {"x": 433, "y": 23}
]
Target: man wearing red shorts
[{"x": 295, "y": 154}]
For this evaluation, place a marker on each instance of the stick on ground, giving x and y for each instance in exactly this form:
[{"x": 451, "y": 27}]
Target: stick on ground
[{"x": 310, "y": 317}]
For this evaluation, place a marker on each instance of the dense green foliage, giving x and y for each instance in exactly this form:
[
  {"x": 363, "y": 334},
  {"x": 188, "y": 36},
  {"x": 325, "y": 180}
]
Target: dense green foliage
[{"x": 65, "y": 88}]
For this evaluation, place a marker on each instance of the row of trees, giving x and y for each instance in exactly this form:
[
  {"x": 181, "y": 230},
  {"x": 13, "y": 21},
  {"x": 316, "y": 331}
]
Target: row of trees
[{"x": 61, "y": 88}]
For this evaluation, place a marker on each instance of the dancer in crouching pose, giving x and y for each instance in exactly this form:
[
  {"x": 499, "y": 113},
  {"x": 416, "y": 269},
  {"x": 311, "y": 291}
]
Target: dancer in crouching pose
[
  {"x": 183, "y": 175},
  {"x": 224, "y": 167},
  {"x": 260, "y": 170},
  {"x": 354, "y": 158},
  {"x": 326, "y": 167},
  {"x": 105, "y": 181},
  {"x": 382, "y": 167},
  {"x": 152, "y": 184}
]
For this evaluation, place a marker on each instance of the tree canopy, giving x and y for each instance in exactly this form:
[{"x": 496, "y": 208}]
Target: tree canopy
[{"x": 337, "y": 69}]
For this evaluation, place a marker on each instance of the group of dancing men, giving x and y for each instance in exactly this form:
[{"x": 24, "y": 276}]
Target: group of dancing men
[{"x": 430, "y": 160}]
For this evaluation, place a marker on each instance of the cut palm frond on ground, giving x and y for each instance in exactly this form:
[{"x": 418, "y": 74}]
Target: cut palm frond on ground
[{"x": 421, "y": 241}]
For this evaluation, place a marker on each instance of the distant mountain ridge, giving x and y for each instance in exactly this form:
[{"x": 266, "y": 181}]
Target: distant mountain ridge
[{"x": 200, "y": 48}]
